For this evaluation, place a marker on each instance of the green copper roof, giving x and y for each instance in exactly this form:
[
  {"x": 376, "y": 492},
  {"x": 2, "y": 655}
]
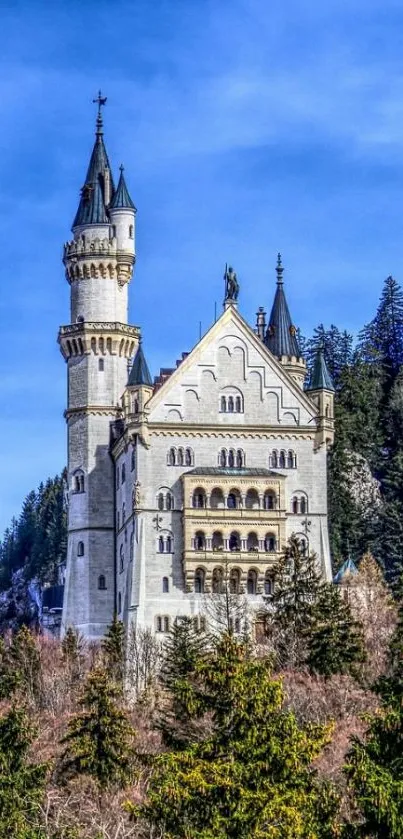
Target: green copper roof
[
  {"x": 91, "y": 209},
  {"x": 320, "y": 377},
  {"x": 121, "y": 198},
  {"x": 140, "y": 374},
  {"x": 281, "y": 335}
]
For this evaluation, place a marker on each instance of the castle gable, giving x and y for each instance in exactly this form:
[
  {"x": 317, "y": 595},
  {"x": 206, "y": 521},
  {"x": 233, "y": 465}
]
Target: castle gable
[{"x": 230, "y": 378}]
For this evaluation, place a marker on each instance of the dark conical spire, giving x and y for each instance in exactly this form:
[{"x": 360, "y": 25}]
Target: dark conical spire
[
  {"x": 281, "y": 335},
  {"x": 92, "y": 206},
  {"x": 140, "y": 374},
  {"x": 121, "y": 199},
  {"x": 320, "y": 377}
]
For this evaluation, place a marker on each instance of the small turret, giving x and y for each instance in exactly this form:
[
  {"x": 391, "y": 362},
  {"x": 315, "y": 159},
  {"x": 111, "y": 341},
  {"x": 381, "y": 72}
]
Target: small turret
[
  {"x": 321, "y": 391},
  {"x": 122, "y": 216},
  {"x": 281, "y": 335},
  {"x": 139, "y": 387}
]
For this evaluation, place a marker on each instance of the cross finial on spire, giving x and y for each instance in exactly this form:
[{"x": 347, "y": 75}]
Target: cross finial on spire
[
  {"x": 121, "y": 168},
  {"x": 279, "y": 269},
  {"x": 100, "y": 100}
]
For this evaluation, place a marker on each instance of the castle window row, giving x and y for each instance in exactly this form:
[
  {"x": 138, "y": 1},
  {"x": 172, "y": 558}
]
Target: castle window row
[
  {"x": 231, "y": 404},
  {"x": 234, "y": 542},
  {"x": 233, "y": 583},
  {"x": 165, "y": 500},
  {"x": 231, "y": 458},
  {"x": 180, "y": 457},
  {"x": 165, "y": 544},
  {"x": 78, "y": 482},
  {"x": 162, "y": 623},
  {"x": 234, "y": 500},
  {"x": 282, "y": 459}
]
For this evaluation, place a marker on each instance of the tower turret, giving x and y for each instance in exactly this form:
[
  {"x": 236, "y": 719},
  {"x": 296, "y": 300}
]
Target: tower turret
[
  {"x": 321, "y": 391},
  {"x": 97, "y": 345},
  {"x": 281, "y": 335},
  {"x": 138, "y": 391}
]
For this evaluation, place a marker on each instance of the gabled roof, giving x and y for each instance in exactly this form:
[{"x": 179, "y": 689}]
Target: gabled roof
[
  {"x": 347, "y": 569},
  {"x": 320, "y": 377},
  {"x": 140, "y": 374},
  {"x": 91, "y": 209},
  {"x": 281, "y": 335},
  {"x": 121, "y": 198}
]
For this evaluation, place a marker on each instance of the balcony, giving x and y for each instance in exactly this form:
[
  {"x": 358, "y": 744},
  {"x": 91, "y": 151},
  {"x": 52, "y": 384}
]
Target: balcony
[{"x": 233, "y": 514}]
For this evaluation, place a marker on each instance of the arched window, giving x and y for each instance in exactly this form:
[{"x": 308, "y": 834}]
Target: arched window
[
  {"x": 172, "y": 457},
  {"x": 223, "y": 458},
  {"x": 160, "y": 501},
  {"x": 131, "y": 545},
  {"x": 281, "y": 462},
  {"x": 231, "y": 404},
  {"x": 234, "y": 541},
  {"x": 251, "y": 583},
  {"x": 327, "y": 411},
  {"x": 80, "y": 549},
  {"x": 302, "y": 505},
  {"x": 269, "y": 500},
  {"x": 200, "y": 541},
  {"x": 199, "y": 498},
  {"x": 119, "y": 603},
  {"x": 223, "y": 403},
  {"x": 133, "y": 459},
  {"x": 136, "y": 406},
  {"x": 217, "y": 581},
  {"x": 131, "y": 231},
  {"x": 268, "y": 583},
  {"x": 188, "y": 457},
  {"x": 169, "y": 501},
  {"x": 101, "y": 365},
  {"x": 217, "y": 541},
  {"x": 123, "y": 514},
  {"x": 232, "y": 501},
  {"x": 294, "y": 505},
  {"x": 252, "y": 500},
  {"x": 121, "y": 558},
  {"x": 273, "y": 460},
  {"x": 234, "y": 581},
  {"x": 123, "y": 473},
  {"x": 169, "y": 544},
  {"x": 165, "y": 585},
  {"x": 252, "y": 542},
  {"x": 238, "y": 404},
  {"x": 166, "y": 624},
  {"x": 180, "y": 457},
  {"x": 239, "y": 458},
  {"x": 270, "y": 542},
  {"x": 290, "y": 460},
  {"x": 231, "y": 458},
  {"x": 199, "y": 581},
  {"x": 101, "y": 583},
  {"x": 161, "y": 544},
  {"x": 78, "y": 481},
  {"x": 217, "y": 499},
  {"x": 159, "y": 624}
]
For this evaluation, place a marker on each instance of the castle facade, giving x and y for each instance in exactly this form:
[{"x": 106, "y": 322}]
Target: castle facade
[{"x": 194, "y": 480}]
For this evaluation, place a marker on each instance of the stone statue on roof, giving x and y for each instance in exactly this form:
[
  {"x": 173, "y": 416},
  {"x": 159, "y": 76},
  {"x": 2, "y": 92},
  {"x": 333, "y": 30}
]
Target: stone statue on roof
[{"x": 231, "y": 284}]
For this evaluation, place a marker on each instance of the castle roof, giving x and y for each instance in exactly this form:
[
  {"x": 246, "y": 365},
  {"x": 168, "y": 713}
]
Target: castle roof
[
  {"x": 281, "y": 336},
  {"x": 320, "y": 377},
  {"x": 140, "y": 374},
  {"x": 121, "y": 198},
  {"x": 92, "y": 206}
]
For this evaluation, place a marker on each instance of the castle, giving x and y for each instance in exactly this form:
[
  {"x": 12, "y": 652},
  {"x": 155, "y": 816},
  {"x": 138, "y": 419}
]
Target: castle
[{"x": 197, "y": 477}]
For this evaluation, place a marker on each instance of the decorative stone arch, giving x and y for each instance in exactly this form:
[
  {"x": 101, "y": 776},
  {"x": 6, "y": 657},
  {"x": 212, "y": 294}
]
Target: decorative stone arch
[{"x": 300, "y": 503}]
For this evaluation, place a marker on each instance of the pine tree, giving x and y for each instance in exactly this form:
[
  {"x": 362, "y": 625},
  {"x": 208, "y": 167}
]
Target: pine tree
[
  {"x": 20, "y": 666},
  {"x": 184, "y": 651},
  {"x": 335, "y": 643},
  {"x": 113, "y": 649},
  {"x": 381, "y": 341},
  {"x": 99, "y": 740},
  {"x": 250, "y": 776},
  {"x": 292, "y": 603},
  {"x": 72, "y": 647},
  {"x": 21, "y": 781}
]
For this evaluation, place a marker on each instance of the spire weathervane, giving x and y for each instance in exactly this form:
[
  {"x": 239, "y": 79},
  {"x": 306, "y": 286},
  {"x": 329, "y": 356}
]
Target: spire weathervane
[
  {"x": 100, "y": 100},
  {"x": 279, "y": 269}
]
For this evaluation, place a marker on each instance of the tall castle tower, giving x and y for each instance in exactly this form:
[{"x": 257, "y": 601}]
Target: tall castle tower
[{"x": 97, "y": 345}]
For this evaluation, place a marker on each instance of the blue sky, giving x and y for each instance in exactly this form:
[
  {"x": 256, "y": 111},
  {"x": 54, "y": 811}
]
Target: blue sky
[{"x": 245, "y": 128}]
